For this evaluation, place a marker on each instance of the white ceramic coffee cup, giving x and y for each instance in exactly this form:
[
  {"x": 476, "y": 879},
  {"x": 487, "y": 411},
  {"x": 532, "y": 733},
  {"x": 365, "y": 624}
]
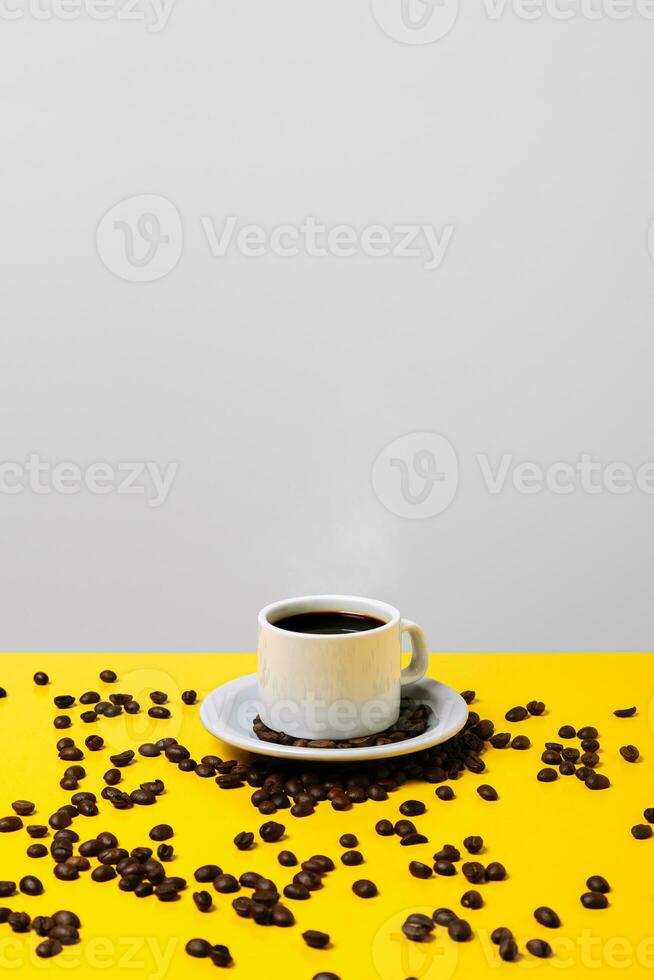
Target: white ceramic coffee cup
[{"x": 335, "y": 686}]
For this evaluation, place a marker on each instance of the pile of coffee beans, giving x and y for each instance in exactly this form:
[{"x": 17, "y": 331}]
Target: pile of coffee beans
[
  {"x": 56, "y": 931},
  {"x": 413, "y": 721}
]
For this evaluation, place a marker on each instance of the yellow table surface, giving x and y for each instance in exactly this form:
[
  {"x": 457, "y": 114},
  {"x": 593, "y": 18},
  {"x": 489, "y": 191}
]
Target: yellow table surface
[{"x": 550, "y": 837}]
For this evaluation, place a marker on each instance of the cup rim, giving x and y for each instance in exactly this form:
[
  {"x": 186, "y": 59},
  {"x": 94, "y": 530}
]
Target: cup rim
[{"x": 347, "y": 603}]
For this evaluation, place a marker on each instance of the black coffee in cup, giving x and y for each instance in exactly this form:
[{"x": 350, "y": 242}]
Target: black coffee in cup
[{"x": 328, "y": 622}]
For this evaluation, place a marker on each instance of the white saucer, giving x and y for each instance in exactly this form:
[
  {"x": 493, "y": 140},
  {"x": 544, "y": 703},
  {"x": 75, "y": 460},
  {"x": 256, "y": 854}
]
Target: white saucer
[{"x": 228, "y": 713}]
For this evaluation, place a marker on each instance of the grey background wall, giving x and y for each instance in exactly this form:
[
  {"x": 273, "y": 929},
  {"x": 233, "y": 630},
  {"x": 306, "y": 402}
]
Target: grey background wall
[{"x": 348, "y": 409}]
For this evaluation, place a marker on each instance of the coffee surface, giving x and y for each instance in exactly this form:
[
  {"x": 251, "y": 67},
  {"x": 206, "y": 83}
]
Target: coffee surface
[{"x": 329, "y": 622}]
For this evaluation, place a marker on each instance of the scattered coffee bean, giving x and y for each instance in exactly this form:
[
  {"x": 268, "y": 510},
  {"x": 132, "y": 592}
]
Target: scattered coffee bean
[
  {"x": 7, "y": 889},
  {"x": 629, "y": 753},
  {"x": 270, "y": 832},
  {"x": 540, "y": 948},
  {"x": 94, "y": 743},
  {"x": 162, "y": 831},
  {"x": 648, "y": 813},
  {"x": 594, "y": 900},
  {"x": 590, "y": 759},
  {"x": 198, "y": 947},
  {"x": 517, "y": 714},
  {"x": 500, "y": 935},
  {"x": 315, "y": 939},
  {"x": 412, "y": 808},
  {"x": 474, "y": 872},
  {"x": 363, "y": 888},
  {"x": 443, "y": 917},
  {"x": 445, "y": 793},
  {"x": 19, "y": 921},
  {"x": 495, "y": 871},
  {"x": 547, "y": 775},
  {"x": 468, "y": 696},
  {"x": 567, "y": 731},
  {"x": 30, "y": 885},
  {"x": 590, "y": 745},
  {"x": 472, "y": 900},
  {"x": 520, "y": 742},
  {"x": 597, "y": 780},
  {"x": 65, "y": 872},
  {"x": 158, "y": 697},
  {"x": 416, "y": 868},
  {"x": 48, "y": 948},
  {"x": 24, "y": 808},
  {"x": 473, "y": 844},
  {"x": 351, "y": 858},
  {"x": 64, "y": 701},
  {"x": 500, "y": 740},
  {"x": 508, "y": 950},
  {"x": 8, "y": 825},
  {"x": 348, "y": 840},
  {"x": 459, "y": 930},
  {"x": 384, "y": 828},
  {"x": 37, "y": 830},
  {"x": 596, "y": 883},
  {"x": 203, "y": 901},
  {"x": 108, "y": 676},
  {"x": 547, "y": 917},
  {"x": 567, "y": 768},
  {"x": 226, "y": 884},
  {"x": 487, "y": 792},
  {"x": 189, "y": 697},
  {"x": 535, "y": 707},
  {"x": 448, "y": 853},
  {"x": 244, "y": 840},
  {"x": 297, "y": 891},
  {"x": 445, "y": 868},
  {"x": 159, "y": 711},
  {"x": 409, "y": 840},
  {"x": 625, "y": 712},
  {"x": 550, "y": 758},
  {"x": 207, "y": 872},
  {"x": 220, "y": 955},
  {"x": 37, "y": 851},
  {"x": 41, "y": 679},
  {"x": 642, "y": 831},
  {"x": 587, "y": 732}
]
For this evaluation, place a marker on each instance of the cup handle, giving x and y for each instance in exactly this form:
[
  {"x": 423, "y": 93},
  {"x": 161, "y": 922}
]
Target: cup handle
[{"x": 419, "y": 654}]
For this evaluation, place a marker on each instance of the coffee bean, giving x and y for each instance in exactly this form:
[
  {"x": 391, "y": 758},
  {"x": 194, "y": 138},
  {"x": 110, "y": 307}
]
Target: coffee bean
[
  {"x": 19, "y": 921},
  {"x": 10, "y": 824},
  {"x": 445, "y": 793},
  {"x": 189, "y": 697},
  {"x": 594, "y": 900},
  {"x": 71, "y": 754},
  {"x": 94, "y": 743},
  {"x": 500, "y": 935},
  {"x": 547, "y": 775},
  {"x": 62, "y": 721},
  {"x": 590, "y": 759},
  {"x": 596, "y": 883},
  {"x": 474, "y": 872},
  {"x": 48, "y": 948},
  {"x": 309, "y": 879},
  {"x": 158, "y": 697},
  {"x": 540, "y": 948},
  {"x": 416, "y": 868},
  {"x": 297, "y": 891},
  {"x": 37, "y": 830},
  {"x": 500, "y": 740},
  {"x": 443, "y": 917},
  {"x": 108, "y": 676},
  {"x": 459, "y": 930},
  {"x": 415, "y": 931},
  {"x": 158, "y": 711},
  {"x": 448, "y": 853},
  {"x": 487, "y": 792},
  {"x": 348, "y": 840},
  {"x": 65, "y": 872},
  {"x": 352, "y": 858},
  {"x": 162, "y": 831},
  {"x": 203, "y": 901},
  {"x": 472, "y": 900},
  {"x": 520, "y": 742},
  {"x": 648, "y": 813},
  {"x": 207, "y": 872},
  {"x": 37, "y": 851},
  {"x": 535, "y": 707},
  {"x": 587, "y": 732},
  {"x": 7, "y": 889},
  {"x": 270, "y": 832},
  {"x": 165, "y": 852},
  {"x": 629, "y": 753},
  {"x": 326, "y": 976},
  {"x": 244, "y": 840},
  {"x": 473, "y": 844},
  {"x": 220, "y": 955},
  {"x": 597, "y": 780},
  {"x": 590, "y": 745},
  {"x": 404, "y": 827},
  {"x": 132, "y": 707},
  {"x": 315, "y": 939},
  {"x": 547, "y": 917},
  {"x": 30, "y": 885},
  {"x": 567, "y": 731},
  {"x": 409, "y": 840},
  {"x": 550, "y": 758},
  {"x": 363, "y": 888},
  {"x": 384, "y": 828},
  {"x": 508, "y": 950},
  {"x": 63, "y": 701},
  {"x": 583, "y": 772},
  {"x": 642, "y": 831},
  {"x": 225, "y": 884},
  {"x": 468, "y": 696},
  {"x": 445, "y": 868},
  {"x": 495, "y": 871},
  {"x": 625, "y": 712},
  {"x": 570, "y": 754},
  {"x": 567, "y": 768},
  {"x": 554, "y": 746},
  {"x": 412, "y": 808},
  {"x": 122, "y": 759},
  {"x": 3, "y": 692},
  {"x": 24, "y": 808},
  {"x": 104, "y": 872},
  {"x": 112, "y": 776},
  {"x": 41, "y": 679},
  {"x": 198, "y": 947},
  {"x": 517, "y": 714},
  {"x": 281, "y": 916}
]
